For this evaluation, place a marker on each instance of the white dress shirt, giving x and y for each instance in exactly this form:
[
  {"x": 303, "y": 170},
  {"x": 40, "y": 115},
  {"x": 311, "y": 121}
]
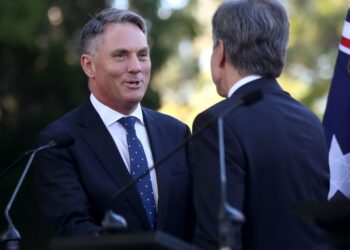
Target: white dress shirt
[
  {"x": 242, "y": 82},
  {"x": 110, "y": 119}
]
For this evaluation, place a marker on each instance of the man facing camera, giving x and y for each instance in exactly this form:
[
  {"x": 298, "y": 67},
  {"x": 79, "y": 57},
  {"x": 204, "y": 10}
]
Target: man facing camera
[
  {"x": 116, "y": 140},
  {"x": 275, "y": 150}
]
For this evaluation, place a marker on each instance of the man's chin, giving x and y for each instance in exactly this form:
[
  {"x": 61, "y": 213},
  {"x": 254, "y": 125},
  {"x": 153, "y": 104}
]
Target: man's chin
[
  {"x": 134, "y": 101},
  {"x": 221, "y": 93}
]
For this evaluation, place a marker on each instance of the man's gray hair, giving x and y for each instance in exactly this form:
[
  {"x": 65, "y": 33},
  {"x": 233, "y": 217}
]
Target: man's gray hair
[
  {"x": 255, "y": 35},
  {"x": 93, "y": 29}
]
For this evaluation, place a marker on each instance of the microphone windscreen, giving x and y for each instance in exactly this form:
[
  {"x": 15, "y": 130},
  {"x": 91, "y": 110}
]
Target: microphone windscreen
[
  {"x": 252, "y": 97},
  {"x": 63, "y": 140}
]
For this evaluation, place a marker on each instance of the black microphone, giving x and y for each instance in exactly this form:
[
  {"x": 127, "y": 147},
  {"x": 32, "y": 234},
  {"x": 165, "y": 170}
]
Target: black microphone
[
  {"x": 252, "y": 97},
  {"x": 60, "y": 141},
  {"x": 11, "y": 236},
  {"x": 246, "y": 100}
]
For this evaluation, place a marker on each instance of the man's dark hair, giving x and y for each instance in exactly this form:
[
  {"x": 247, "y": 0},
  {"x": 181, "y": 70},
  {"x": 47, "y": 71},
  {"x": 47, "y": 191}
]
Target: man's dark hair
[{"x": 255, "y": 35}]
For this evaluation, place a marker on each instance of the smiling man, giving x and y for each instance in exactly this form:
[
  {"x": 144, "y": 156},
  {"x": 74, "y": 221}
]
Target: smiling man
[{"x": 116, "y": 140}]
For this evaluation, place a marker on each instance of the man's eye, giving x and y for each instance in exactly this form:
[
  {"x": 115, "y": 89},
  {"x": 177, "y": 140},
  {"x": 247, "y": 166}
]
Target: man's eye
[
  {"x": 119, "y": 56},
  {"x": 143, "y": 55}
]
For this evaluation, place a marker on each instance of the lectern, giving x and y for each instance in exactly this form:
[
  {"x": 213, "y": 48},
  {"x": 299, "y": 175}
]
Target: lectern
[{"x": 137, "y": 241}]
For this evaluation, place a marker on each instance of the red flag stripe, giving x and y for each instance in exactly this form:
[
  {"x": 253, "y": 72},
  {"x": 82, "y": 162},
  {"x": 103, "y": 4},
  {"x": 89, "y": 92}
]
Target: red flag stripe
[{"x": 345, "y": 42}]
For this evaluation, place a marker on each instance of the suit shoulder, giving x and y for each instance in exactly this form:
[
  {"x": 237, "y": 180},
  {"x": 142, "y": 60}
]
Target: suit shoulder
[
  {"x": 163, "y": 118},
  {"x": 216, "y": 109},
  {"x": 309, "y": 112}
]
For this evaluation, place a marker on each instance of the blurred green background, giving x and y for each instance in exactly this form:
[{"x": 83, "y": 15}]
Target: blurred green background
[{"x": 41, "y": 77}]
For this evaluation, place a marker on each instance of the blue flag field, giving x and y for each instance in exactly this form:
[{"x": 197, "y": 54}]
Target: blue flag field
[{"x": 337, "y": 119}]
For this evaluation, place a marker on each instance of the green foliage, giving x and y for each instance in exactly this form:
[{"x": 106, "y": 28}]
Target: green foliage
[
  {"x": 315, "y": 33},
  {"x": 20, "y": 19},
  {"x": 164, "y": 35}
]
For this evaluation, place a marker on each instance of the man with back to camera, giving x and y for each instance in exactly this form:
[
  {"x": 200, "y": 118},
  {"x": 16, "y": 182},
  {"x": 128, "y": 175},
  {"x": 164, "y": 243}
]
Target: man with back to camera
[
  {"x": 116, "y": 139},
  {"x": 275, "y": 151}
]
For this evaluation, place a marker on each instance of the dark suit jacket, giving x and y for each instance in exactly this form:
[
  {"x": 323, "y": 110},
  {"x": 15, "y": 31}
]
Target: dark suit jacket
[
  {"x": 276, "y": 156},
  {"x": 75, "y": 184}
]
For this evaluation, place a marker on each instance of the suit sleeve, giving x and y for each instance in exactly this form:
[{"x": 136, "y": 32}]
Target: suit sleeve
[
  {"x": 60, "y": 194},
  {"x": 206, "y": 172}
]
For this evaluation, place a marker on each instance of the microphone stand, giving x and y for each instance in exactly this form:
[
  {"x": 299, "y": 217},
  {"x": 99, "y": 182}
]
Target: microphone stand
[
  {"x": 11, "y": 236},
  {"x": 227, "y": 214}
]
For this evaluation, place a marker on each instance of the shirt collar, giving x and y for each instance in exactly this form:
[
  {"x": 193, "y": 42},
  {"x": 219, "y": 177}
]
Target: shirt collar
[
  {"x": 110, "y": 116},
  {"x": 242, "y": 82}
]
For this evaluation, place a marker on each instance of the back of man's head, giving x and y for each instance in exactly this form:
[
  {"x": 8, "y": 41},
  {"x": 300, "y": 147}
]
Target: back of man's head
[{"x": 255, "y": 35}]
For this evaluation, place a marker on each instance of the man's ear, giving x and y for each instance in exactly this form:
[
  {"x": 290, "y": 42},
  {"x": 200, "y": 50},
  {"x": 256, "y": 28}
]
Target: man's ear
[
  {"x": 87, "y": 64},
  {"x": 220, "y": 53}
]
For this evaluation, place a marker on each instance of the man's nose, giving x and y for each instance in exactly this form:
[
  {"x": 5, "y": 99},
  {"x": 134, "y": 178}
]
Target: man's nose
[{"x": 134, "y": 65}]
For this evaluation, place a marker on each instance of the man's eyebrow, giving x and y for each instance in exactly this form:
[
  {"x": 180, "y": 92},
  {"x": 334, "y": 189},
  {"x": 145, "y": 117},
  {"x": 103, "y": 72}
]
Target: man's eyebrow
[
  {"x": 122, "y": 50},
  {"x": 144, "y": 49}
]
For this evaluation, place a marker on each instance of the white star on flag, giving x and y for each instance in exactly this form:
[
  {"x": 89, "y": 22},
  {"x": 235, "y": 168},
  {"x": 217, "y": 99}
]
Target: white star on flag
[{"x": 339, "y": 165}]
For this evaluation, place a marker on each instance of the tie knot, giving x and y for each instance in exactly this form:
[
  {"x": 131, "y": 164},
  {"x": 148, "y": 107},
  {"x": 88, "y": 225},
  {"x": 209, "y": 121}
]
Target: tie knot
[{"x": 128, "y": 122}]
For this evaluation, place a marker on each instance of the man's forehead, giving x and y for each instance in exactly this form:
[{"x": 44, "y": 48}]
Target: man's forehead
[
  {"x": 129, "y": 49},
  {"x": 122, "y": 25}
]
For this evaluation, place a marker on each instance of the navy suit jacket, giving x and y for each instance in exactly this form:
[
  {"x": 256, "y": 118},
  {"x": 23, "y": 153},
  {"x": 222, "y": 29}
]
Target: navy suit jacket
[
  {"x": 276, "y": 157},
  {"x": 75, "y": 184}
]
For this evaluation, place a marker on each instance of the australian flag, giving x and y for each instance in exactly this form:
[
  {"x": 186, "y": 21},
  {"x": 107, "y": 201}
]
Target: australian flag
[{"x": 337, "y": 119}]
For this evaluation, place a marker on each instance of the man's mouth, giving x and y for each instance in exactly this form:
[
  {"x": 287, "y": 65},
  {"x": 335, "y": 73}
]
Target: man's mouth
[{"x": 133, "y": 84}]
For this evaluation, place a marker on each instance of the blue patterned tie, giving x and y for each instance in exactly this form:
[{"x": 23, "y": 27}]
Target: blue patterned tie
[{"x": 138, "y": 165}]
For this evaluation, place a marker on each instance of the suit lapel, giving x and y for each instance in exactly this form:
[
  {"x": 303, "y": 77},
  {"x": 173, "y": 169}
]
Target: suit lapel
[
  {"x": 101, "y": 142},
  {"x": 157, "y": 136}
]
